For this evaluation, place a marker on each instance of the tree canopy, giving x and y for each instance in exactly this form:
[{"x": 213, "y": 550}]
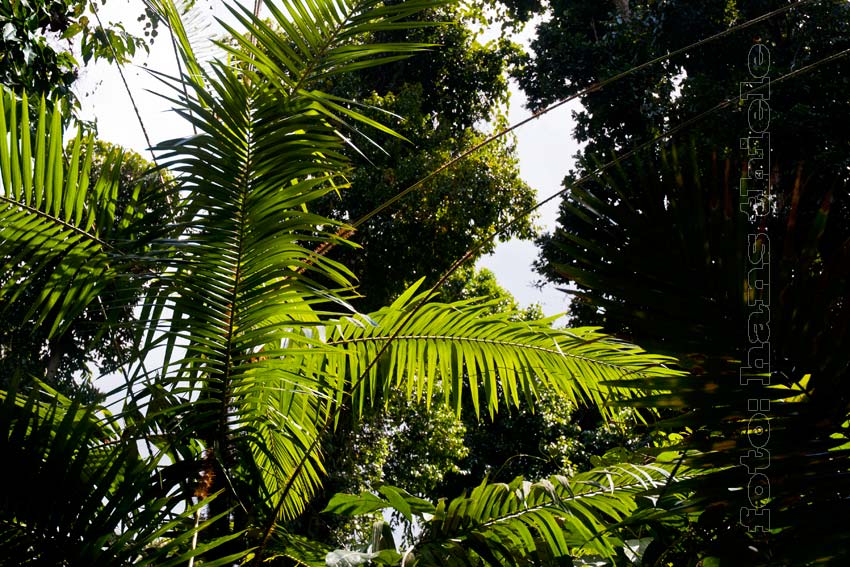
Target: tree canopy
[
  {"x": 444, "y": 103},
  {"x": 257, "y": 344},
  {"x": 678, "y": 248},
  {"x": 37, "y": 38},
  {"x": 208, "y": 454}
]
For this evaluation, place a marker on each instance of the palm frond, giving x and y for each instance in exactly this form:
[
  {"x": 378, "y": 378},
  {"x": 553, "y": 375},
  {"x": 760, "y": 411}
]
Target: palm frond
[
  {"x": 172, "y": 14},
  {"x": 548, "y": 522},
  {"x": 314, "y": 42},
  {"x": 245, "y": 280},
  {"x": 442, "y": 345},
  {"x": 59, "y": 229},
  {"x": 81, "y": 494}
]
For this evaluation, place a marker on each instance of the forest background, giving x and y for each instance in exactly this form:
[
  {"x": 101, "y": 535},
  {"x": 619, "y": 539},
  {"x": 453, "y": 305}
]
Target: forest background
[{"x": 453, "y": 103}]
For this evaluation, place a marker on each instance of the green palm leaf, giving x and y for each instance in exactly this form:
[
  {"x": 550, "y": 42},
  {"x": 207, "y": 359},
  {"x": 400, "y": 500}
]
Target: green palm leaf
[
  {"x": 257, "y": 359},
  {"x": 59, "y": 230},
  {"x": 245, "y": 279},
  {"x": 521, "y": 522},
  {"x": 82, "y": 496},
  {"x": 440, "y": 345}
]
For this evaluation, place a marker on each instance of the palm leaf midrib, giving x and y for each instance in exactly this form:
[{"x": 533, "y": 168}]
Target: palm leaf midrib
[
  {"x": 231, "y": 314},
  {"x": 58, "y": 221},
  {"x": 551, "y": 504}
]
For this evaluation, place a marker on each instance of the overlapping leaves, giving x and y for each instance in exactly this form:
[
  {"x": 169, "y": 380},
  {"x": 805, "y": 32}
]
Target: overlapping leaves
[
  {"x": 548, "y": 522},
  {"x": 257, "y": 357},
  {"x": 457, "y": 350},
  {"x": 745, "y": 288},
  {"x": 246, "y": 279},
  {"x": 81, "y": 495},
  {"x": 59, "y": 229}
]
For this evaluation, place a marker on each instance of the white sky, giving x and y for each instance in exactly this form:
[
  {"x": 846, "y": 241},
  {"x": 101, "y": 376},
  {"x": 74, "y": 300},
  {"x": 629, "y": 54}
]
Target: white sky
[{"x": 545, "y": 146}]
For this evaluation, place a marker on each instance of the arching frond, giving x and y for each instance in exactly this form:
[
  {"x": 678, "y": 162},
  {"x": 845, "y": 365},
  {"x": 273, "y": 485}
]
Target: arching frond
[
  {"x": 245, "y": 279},
  {"x": 257, "y": 358},
  {"x": 441, "y": 345},
  {"x": 60, "y": 231},
  {"x": 65, "y": 236}
]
